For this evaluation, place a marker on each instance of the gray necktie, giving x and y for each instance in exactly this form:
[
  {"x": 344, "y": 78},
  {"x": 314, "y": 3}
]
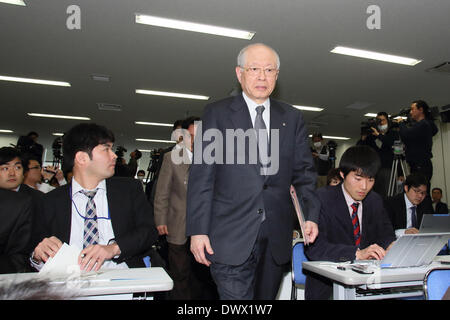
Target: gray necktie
[{"x": 261, "y": 135}]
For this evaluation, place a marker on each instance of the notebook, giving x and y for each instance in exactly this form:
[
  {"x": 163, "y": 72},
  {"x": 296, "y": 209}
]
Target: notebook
[
  {"x": 435, "y": 223},
  {"x": 412, "y": 250}
]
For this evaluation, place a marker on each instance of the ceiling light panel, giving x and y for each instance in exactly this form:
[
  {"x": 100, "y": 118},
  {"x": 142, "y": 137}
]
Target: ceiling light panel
[
  {"x": 35, "y": 81},
  {"x": 15, "y": 2},
  {"x": 375, "y": 56},
  {"x": 154, "y": 124},
  {"x": 195, "y": 27},
  {"x": 155, "y": 140},
  {"x": 57, "y": 116},
  {"x": 172, "y": 94},
  {"x": 306, "y": 108}
]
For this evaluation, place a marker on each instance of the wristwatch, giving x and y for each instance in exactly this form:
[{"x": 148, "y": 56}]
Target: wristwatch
[{"x": 46, "y": 181}]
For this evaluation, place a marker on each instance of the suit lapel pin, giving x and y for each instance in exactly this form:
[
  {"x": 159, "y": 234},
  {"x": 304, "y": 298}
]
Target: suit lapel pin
[{"x": 284, "y": 124}]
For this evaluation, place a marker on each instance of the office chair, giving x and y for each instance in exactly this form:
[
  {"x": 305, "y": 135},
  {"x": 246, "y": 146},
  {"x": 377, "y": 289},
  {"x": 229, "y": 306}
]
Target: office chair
[
  {"x": 436, "y": 283},
  {"x": 298, "y": 277}
]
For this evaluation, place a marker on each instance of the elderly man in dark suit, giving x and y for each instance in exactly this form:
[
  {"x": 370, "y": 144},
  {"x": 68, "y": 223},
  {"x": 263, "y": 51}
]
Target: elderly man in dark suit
[
  {"x": 353, "y": 224},
  {"x": 106, "y": 218},
  {"x": 239, "y": 211}
]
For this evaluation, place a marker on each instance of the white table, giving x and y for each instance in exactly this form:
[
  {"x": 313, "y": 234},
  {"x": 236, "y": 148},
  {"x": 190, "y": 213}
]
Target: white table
[
  {"x": 383, "y": 284},
  {"x": 105, "y": 283}
]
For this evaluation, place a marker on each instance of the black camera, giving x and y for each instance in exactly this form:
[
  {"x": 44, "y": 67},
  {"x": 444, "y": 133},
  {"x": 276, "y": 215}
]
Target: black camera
[
  {"x": 154, "y": 158},
  {"x": 120, "y": 151},
  {"x": 57, "y": 146},
  {"x": 332, "y": 145},
  {"x": 403, "y": 113},
  {"x": 368, "y": 124}
]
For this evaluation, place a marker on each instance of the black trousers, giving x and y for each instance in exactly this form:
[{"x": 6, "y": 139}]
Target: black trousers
[{"x": 257, "y": 278}]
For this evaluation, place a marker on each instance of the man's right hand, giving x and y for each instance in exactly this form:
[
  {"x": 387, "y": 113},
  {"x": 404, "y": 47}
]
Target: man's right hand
[
  {"x": 412, "y": 231},
  {"x": 371, "y": 252},
  {"x": 200, "y": 243},
  {"x": 47, "y": 248},
  {"x": 162, "y": 229}
]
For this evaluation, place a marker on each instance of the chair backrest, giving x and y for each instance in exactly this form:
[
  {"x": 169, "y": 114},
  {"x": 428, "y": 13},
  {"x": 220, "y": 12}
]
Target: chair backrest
[
  {"x": 298, "y": 256},
  {"x": 436, "y": 283}
]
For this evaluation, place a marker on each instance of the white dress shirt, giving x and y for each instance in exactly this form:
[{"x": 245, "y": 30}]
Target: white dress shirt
[
  {"x": 400, "y": 232},
  {"x": 105, "y": 229},
  {"x": 349, "y": 200}
]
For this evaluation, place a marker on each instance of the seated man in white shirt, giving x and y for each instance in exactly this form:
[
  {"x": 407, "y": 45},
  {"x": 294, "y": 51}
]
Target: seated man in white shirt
[
  {"x": 407, "y": 209},
  {"x": 108, "y": 219}
]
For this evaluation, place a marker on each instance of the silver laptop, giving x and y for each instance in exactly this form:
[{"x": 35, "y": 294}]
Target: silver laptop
[
  {"x": 412, "y": 250},
  {"x": 435, "y": 223}
]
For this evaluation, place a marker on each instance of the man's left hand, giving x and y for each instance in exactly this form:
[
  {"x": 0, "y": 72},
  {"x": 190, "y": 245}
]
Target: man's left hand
[
  {"x": 95, "y": 255},
  {"x": 311, "y": 231}
]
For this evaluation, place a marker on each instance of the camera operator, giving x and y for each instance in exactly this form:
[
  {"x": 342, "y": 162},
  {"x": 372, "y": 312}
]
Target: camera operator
[
  {"x": 29, "y": 144},
  {"x": 321, "y": 159},
  {"x": 380, "y": 136},
  {"x": 122, "y": 168},
  {"x": 418, "y": 139}
]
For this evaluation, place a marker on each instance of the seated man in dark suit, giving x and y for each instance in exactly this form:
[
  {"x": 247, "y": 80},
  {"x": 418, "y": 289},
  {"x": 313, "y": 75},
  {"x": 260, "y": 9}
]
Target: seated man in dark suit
[
  {"x": 15, "y": 164},
  {"x": 15, "y": 230},
  {"x": 106, "y": 218},
  {"x": 406, "y": 209},
  {"x": 438, "y": 206},
  {"x": 353, "y": 224}
]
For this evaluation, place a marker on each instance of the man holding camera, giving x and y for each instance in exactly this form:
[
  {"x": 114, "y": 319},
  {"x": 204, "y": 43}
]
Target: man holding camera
[
  {"x": 122, "y": 168},
  {"x": 321, "y": 159},
  {"x": 418, "y": 139},
  {"x": 381, "y": 137}
]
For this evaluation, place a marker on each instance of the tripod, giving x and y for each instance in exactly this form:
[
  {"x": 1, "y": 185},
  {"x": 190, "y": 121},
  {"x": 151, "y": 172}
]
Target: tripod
[{"x": 399, "y": 157}]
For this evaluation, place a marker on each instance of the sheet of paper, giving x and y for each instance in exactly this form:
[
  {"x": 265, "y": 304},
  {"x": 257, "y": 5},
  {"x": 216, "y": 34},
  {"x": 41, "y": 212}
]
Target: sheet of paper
[{"x": 64, "y": 263}]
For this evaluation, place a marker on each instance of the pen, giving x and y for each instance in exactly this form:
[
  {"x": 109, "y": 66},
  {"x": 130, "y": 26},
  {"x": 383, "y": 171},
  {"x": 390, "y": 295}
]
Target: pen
[{"x": 341, "y": 268}]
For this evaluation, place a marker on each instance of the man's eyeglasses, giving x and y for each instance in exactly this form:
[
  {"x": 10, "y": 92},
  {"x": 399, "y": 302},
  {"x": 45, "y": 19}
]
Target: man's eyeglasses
[
  {"x": 418, "y": 191},
  {"x": 254, "y": 71},
  {"x": 35, "y": 167}
]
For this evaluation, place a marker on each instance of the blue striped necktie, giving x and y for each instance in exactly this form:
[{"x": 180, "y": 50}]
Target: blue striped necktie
[{"x": 91, "y": 234}]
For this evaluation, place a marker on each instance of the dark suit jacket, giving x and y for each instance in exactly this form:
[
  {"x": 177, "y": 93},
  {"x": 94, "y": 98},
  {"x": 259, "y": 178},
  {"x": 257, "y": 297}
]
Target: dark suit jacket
[
  {"x": 396, "y": 207},
  {"x": 225, "y": 201},
  {"x": 336, "y": 241},
  {"x": 37, "y": 200},
  {"x": 441, "y": 208},
  {"x": 131, "y": 220},
  {"x": 15, "y": 231}
]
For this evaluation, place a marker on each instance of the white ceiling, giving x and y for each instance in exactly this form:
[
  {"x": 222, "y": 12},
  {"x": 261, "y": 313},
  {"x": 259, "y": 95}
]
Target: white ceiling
[{"x": 36, "y": 43}]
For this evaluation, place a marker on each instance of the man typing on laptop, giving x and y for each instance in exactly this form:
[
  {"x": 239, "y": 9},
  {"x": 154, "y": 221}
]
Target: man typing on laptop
[
  {"x": 407, "y": 209},
  {"x": 353, "y": 224}
]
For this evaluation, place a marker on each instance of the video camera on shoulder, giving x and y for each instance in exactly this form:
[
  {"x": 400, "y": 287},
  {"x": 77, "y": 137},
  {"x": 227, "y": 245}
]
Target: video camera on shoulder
[
  {"x": 120, "y": 151},
  {"x": 368, "y": 124}
]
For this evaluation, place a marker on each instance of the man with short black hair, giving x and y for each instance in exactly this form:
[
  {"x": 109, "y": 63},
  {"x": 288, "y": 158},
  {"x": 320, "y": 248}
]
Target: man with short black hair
[
  {"x": 353, "y": 224},
  {"x": 438, "y": 206},
  {"x": 407, "y": 208},
  {"x": 106, "y": 218}
]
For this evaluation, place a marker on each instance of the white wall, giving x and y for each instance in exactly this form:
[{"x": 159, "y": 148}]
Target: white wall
[{"x": 441, "y": 160}]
